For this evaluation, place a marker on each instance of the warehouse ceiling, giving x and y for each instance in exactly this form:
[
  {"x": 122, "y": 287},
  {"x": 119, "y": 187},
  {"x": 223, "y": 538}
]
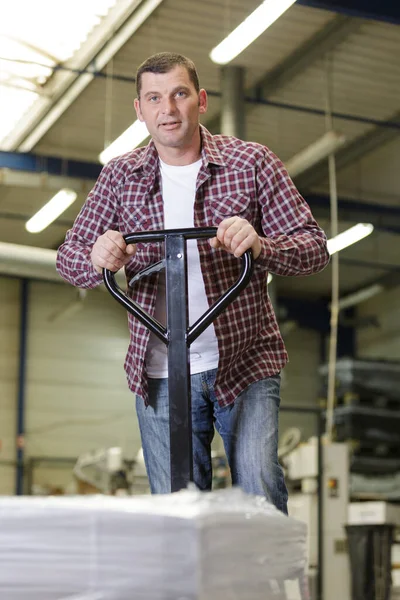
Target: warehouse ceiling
[{"x": 67, "y": 91}]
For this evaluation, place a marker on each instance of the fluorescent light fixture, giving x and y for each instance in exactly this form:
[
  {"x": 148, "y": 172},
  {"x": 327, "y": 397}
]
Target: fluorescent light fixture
[
  {"x": 317, "y": 151},
  {"x": 344, "y": 239},
  {"x": 132, "y": 137},
  {"x": 360, "y": 296},
  {"x": 249, "y": 30},
  {"x": 50, "y": 211},
  {"x": 348, "y": 237}
]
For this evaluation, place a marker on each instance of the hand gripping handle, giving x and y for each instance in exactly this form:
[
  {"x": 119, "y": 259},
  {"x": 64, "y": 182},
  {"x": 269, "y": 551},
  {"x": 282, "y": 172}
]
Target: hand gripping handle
[{"x": 211, "y": 314}]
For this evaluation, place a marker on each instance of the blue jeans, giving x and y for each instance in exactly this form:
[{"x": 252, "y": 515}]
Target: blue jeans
[{"x": 248, "y": 428}]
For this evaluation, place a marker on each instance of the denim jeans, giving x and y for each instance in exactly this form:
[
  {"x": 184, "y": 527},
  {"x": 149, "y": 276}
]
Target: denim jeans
[{"x": 248, "y": 428}]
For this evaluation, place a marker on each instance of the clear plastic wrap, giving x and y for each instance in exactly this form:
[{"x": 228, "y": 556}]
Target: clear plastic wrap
[{"x": 191, "y": 545}]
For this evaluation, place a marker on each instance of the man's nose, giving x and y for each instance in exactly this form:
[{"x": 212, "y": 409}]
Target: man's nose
[{"x": 168, "y": 106}]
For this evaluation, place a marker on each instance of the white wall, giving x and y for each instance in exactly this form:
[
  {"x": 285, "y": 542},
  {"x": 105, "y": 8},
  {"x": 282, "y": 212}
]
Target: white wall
[
  {"x": 77, "y": 398},
  {"x": 9, "y": 352},
  {"x": 382, "y": 341},
  {"x": 300, "y": 384}
]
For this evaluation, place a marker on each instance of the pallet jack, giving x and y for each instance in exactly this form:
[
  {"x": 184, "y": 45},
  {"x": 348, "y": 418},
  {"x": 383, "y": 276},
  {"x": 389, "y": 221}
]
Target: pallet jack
[{"x": 178, "y": 335}]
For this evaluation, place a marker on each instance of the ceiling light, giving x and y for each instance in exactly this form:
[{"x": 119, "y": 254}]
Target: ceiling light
[
  {"x": 360, "y": 296},
  {"x": 348, "y": 237},
  {"x": 249, "y": 30},
  {"x": 132, "y": 137},
  {"x": 317, "y": 151},
  {"x": 50, "y": 211}
]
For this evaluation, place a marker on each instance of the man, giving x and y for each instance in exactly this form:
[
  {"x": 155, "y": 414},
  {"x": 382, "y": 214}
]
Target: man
[{"x": 186, "y": 177}]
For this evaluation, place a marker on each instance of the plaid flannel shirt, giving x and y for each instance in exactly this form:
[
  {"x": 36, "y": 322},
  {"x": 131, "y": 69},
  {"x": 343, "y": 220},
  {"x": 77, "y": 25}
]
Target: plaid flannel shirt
[{"x": 235, "y": 178}]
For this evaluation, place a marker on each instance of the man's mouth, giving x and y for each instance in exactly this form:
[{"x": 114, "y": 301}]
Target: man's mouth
[{"x": 170, "y": 124}]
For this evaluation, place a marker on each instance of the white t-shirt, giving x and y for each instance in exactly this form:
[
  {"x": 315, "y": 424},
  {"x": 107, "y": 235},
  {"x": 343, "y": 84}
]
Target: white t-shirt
[{"x": 179, "y": 190}]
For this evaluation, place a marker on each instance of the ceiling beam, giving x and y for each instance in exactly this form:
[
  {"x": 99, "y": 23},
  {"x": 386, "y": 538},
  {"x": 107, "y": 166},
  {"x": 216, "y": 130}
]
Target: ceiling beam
[
  {"x": 50, "y": 165},
  {"x": 65, "y": 86},
  {"x": 36, "y": 263},
  {"x": 378, "y": 10},
  {"x": 308, "y": 53},
  {"x": 351, "y": 153},
  {"x": 383, "y": 217},
  {"x": 311, "y": 51},
  {"x": 25, "y": 169},
  {"x": 44, "y": 181}
]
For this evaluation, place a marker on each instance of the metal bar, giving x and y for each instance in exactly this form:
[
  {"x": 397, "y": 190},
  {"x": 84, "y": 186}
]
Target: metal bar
[
  {"x": 151, "y": 236},
  {"x": 320, "y": 513},
  {"x": 36, "y": 163},
  {"x": 354, "y": 151},
  {"x": 131, "y": 306},
  {"x": 383, "y": 216},
  {"x": 205, "y": 320},
  {"x": 20, "y": 425},
  {"x": 233, "y": 116},
  {"x": 176, "y": 334},
  {"x": 321, "y": 113},
  {"x": 311, "y": 51},
  {"x": 369, "y": 264},
  {"x": 180, "y": 413},
  {"x": 378, "y": 10},
  {"x": 189, "y": 233}
]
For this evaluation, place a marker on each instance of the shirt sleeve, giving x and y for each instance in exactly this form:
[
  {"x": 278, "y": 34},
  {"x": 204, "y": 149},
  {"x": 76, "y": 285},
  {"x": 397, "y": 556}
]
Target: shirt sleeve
[
  {"x": 98, "y": 215},
  {"x": 294, "y": 244}
]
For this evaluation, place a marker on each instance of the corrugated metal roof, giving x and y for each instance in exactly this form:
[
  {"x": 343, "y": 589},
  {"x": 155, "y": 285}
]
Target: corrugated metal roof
[
  {"x": 365, "y": 83},
  {"x": 30, "y": 48}
]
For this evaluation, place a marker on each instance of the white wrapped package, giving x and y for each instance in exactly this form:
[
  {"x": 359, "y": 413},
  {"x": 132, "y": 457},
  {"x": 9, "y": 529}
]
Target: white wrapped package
[{"x": 190, "y": 545}]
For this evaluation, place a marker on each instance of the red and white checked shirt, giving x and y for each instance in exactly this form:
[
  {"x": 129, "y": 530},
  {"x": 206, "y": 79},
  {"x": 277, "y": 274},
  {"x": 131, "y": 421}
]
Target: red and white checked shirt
[{"x": 235, "y": 178}]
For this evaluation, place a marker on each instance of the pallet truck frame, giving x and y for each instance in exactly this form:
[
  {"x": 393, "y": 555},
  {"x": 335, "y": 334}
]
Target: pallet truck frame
[{"x": 177, "y": 335}]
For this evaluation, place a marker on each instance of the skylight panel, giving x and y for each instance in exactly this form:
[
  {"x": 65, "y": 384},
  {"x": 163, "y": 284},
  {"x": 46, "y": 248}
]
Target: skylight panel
[{"x": 49, "y": 33}]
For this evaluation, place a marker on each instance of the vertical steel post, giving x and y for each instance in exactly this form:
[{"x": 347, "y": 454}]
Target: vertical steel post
[
  {"x": 180, "y": 417},
  {"x": 233, "y": 101},
  {"x": 320, "y": 514}
]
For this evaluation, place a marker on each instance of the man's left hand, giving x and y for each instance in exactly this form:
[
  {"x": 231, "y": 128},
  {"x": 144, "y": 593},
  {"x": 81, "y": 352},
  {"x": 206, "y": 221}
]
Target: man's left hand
[{"x": 236, "y": 235}]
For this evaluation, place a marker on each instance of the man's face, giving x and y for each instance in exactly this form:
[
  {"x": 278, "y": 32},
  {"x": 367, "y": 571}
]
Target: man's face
[{"x": 170, "y": 107}]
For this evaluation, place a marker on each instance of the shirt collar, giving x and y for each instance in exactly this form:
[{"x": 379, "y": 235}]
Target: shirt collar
[
  {"x": 210, "y": 153},
  {"x": 209, "y": 148},
  {"x": 148, "y": 160}
]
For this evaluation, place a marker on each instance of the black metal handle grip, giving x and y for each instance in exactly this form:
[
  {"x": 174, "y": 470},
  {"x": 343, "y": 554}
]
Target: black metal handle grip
[{"x": 211, "y": 314}]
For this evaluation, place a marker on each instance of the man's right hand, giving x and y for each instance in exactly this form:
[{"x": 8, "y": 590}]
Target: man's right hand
[{"x": 111, "y": 252}]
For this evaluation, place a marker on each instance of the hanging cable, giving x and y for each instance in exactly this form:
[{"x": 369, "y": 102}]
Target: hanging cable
[
  {"x": 334, "y": 262},
  {"x": 108, "y": 104}
]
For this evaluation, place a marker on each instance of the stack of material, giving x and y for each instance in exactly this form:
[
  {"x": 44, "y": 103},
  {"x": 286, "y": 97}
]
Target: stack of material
[
  {"x": 367, "y": 414},
  {"x": 190, "y": 545}
]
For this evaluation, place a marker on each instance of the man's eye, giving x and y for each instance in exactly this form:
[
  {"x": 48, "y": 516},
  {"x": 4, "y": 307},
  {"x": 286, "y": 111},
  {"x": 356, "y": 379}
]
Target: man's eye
[
  {"x": 153, "y": 98},
  {"x": 181, "y": 94}
]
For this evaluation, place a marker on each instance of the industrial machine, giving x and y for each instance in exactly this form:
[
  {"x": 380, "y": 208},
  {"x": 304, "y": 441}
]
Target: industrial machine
[
  {"x": 104, "y": 471},
  {"x": 325, "y": 513}
]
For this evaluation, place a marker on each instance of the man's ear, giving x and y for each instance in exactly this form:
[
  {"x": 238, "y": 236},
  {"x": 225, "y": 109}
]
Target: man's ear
[
  {"x": 203, "y": 101},
  {"x": 136, "y": 103}
]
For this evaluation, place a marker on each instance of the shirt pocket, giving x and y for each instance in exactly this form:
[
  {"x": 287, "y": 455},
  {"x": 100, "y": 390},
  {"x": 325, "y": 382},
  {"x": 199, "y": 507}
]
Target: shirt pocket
[
  {"x": 133, "y": 217},
  {"x": 232, "y": 205}
]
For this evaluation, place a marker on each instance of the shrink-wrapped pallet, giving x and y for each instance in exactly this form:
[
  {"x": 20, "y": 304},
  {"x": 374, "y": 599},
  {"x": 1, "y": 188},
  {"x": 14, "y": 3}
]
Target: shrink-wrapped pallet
[{"x": 190, "y": 545}]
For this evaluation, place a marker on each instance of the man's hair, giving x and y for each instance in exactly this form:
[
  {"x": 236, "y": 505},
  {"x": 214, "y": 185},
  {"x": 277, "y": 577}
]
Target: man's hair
[{"x": 164, "y": 62}]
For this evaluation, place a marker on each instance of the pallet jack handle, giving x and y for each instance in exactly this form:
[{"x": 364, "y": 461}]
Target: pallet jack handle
[{"x": 177, "y": 335}]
